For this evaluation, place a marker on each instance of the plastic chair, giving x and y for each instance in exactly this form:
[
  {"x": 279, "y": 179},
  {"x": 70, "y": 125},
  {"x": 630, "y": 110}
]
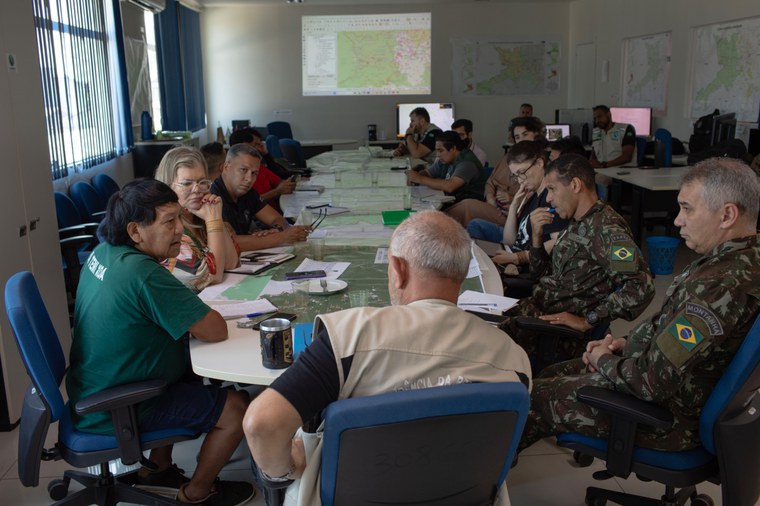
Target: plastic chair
[
  {"x": 105, "y": 186},
  {"x": 87, "y": 200},
  {"x": 43, "y": 405},
  {"x": 293, "y": 153},
  {"x": 280, "y": 129},
  {"x": 273, "y": 146},
  {"x": 446, "y": 445},
  {"x": 729, "y": 428},
  {"x": 663, "y": 148}
]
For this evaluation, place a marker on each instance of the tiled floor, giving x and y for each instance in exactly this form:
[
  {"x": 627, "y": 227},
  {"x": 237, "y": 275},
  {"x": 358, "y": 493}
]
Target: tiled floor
[{"x": 545, "y": 475}]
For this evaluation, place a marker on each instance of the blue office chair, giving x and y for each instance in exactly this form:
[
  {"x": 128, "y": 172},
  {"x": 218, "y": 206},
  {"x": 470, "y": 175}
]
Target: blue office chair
[
  {"x": 66, "y": 211},
  {"x": 87, "y": 200},
  {"x": 434, "y": 446},
  {"x": 641, "y": 147},
  {"x": 45, "y": 363},
  {"x": 76, "y": 238},
  {"x": 105, "y": 186},
  {"x": 663, "y": 148},
  {"x": 293, "y": 153},
  {"x": 273, "y": 146},
  {"x": 729, "y": 428},
  {"x": 280, "y": 129}
]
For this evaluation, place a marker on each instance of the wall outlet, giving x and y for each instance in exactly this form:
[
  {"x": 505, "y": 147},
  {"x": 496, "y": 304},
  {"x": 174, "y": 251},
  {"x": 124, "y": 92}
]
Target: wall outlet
[{"x": 283, "y": 112}]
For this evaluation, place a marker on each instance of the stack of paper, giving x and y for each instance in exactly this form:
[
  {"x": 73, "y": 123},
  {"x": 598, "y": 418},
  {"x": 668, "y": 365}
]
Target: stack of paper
[
  {"x": 485, "y": 302},
  {"x": 251, "y": 308}
]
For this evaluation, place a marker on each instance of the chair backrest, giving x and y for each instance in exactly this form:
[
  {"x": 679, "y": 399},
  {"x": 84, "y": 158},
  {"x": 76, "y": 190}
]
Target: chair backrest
[
  {"x": 281, "y": 129},
  {"x": 66, "y": 211},
  {"x": 273, "y": 146},
  {"x": 105, "y": 186},
  {"x": 447, "y": 445},
  {"x": 663, "y": 148},
  {"x": 639, "y": 151},
  {"x": 87, "y": 200},
  {"x": 293, "y": 152}
]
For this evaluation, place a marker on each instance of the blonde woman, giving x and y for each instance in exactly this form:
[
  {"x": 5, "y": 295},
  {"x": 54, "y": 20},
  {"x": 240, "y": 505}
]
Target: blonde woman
[{"x": 207, "y": 245}]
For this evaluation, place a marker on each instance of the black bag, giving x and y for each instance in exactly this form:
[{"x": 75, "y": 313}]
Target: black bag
[
  {"x": 700, "y": 138},
  {"x": 732, "y": 148}
]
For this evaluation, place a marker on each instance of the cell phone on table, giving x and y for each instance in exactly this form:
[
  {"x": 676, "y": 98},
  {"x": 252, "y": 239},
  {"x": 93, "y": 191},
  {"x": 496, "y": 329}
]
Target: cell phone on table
[
  {"x": 305, "y": 275},
  {"x": 255, "y": 324}
]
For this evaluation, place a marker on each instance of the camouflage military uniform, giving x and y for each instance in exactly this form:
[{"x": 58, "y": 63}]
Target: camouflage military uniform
[
  {"x": 675, "y": 359},
  {"x": 594, "y": 265}
]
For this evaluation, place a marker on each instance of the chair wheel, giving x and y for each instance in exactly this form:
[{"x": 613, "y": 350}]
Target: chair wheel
[
  {"x": 58, "y": 489},
  {"x": 583, "y": 459},
  {"x": 702, "y": 500},
  {"x": 595, "y": 501}
]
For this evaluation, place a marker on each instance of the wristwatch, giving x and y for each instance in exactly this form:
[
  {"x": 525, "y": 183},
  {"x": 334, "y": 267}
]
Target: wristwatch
[
  {"x": 604, "y": 165},
  {"x": 592, "y": 318}
]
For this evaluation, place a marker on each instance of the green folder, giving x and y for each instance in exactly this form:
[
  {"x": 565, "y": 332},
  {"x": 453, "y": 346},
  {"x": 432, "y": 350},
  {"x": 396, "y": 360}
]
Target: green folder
[{"x": 394, "y": 218}]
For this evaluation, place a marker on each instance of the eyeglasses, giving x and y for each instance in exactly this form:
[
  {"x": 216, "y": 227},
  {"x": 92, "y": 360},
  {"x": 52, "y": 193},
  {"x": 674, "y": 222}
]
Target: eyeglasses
[
  {"x": 201, "y": 186},
  {"x": 521, "y": 174}
]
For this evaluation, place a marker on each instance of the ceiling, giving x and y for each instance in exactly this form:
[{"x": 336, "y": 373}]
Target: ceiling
[{"x": 225, "y": 3}]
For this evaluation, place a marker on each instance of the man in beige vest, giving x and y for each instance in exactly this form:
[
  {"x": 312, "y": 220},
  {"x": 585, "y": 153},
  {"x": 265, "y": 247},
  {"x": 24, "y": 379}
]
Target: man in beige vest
[{"x": 422, "y": 340}]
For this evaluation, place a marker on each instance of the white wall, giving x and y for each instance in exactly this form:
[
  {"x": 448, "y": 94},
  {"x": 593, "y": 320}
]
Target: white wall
[
  {"x": 252, "y": 67},
  {"x": 605, "y": 23}
]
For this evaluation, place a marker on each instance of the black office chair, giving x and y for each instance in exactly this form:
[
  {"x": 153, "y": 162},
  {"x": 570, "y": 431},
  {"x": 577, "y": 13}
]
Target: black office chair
[
  {"x": 729, "y": 428},
  {"x": 293, "y": 153},
  {"x": 280, "y": 129},
  {"x": 77, "y": 239},
  {"x": 43, "y": 405}
]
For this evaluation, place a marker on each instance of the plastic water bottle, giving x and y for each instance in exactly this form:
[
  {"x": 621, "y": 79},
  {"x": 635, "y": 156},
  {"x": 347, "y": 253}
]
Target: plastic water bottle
[{"x": 146, "y": 126}]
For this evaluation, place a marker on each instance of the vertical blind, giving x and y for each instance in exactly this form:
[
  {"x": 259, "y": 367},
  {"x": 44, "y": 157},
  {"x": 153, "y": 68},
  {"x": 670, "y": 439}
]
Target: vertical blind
[{"x": 83, "y": 89}]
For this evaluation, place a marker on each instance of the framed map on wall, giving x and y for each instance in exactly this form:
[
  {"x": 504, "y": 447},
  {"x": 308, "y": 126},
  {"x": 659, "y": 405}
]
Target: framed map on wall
[
  {"x": 646, "y": 70},
  {"x": 726, "y": 69}
]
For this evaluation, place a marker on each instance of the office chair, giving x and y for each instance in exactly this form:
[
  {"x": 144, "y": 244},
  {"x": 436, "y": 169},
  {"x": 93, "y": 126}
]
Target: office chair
[
  {"x": 729, "y": 428},
  {"x": 87, "y": 200},
  {"x": 280, "y": 129},
  {"x": 273, "y": 146},
  {"x": 76, "y": 238},
  {"x": 663, "y": 148},
  {"x": 105, "y": 186},
  {"x": 293, "y": 153},
  {"x": 449, "y": 445},
  {"x": 43, "y": 405}
]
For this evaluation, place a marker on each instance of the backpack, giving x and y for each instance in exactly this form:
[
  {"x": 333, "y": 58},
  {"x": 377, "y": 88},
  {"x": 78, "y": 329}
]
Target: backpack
[{"x": 700, "y": 138}]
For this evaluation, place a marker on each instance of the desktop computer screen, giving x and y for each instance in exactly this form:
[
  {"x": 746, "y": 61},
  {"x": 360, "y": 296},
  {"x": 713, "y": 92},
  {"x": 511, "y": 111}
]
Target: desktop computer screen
[
  {"x": 556, "y": 132},
  {"x": 639, "y": 117},
  {"x": 441, "y": 115},
  {"x": 723, "y": 128}
]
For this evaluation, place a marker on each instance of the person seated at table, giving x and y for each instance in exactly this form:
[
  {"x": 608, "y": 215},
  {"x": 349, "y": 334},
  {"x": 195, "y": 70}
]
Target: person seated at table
[
  {"x": 130, "y": 321},
  {"x": 269, "y": 185},
  {"x": 214, "y": 153},
  {"x": 613, "y": 143},
  {"x": 500, "y": 186},
  {"x": 244, "y": 209},
  {"x": 456, "y": 172},
  {"x": 595, "y": 272},
  {"x": 675, "y": 357},
  {"x": 566, "y": 145},
  {"x": 463, "y": 127},
  {"x": 422, "y": 339},
  {"x": 207, "y": 247},
  {"x": 526, "y": 161},
  {"x": 419, "y": 140}
]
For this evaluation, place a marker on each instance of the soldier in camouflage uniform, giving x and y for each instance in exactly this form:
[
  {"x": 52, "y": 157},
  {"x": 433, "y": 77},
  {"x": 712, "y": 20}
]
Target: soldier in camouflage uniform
[
  {"x": 595, "y": 273},
  {"x": 675, "y": 358}
]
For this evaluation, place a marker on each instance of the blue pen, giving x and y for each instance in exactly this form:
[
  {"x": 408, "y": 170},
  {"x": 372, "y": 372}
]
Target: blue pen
[
  {"x": 552, "y": 210},
  {"x": 254, "y": 315}
]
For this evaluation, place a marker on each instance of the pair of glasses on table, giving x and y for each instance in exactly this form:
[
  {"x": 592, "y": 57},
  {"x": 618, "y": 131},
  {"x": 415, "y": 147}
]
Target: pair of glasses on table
[{"x": 320, "y": 218}]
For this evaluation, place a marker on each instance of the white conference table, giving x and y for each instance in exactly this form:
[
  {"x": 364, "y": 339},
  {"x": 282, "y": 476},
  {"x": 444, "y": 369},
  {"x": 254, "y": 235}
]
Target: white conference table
[
  {"x": 238, "y": 358},
  {"x": 313, "y": 147}
]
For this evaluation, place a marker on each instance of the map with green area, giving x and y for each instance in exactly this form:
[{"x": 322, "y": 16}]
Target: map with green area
[
  {"x": 485, "y": 67},
  {"x": 392, "y": 59},
  {"x": 646, "y": 71},
  {"x": 726, "y": 73}
]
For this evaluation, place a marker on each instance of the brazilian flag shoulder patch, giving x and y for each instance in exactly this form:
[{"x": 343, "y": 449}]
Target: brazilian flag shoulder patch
[
  {"x": 623, "y": 256},
  {"x": 686, "y": 334},
  {"x": 682, "y": 338}
]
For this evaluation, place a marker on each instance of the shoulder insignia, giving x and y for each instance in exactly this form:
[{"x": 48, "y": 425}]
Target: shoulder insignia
[
  {"x": 620, "y": 237},
  {"x": 582, "y": 230},
  {"x": 623, "y": 256},
  {"x": 682, "y": 339},
  {"x": 712, "y": 322},
  {"x": 686, "y": 334}
]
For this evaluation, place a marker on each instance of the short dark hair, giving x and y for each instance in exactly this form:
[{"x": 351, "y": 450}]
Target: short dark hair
[
  {"x": 526, "y": 104},
  {"x": 571, "y": 166},
  {"x": 530, "y": 123},
  {"x": 569, "y": 144},
  {"x": 137, "y": 202},
  {"x": 242, "y": 136},
  {"x": 242, "y": 149},
  {"x": 450, "y": 139},
  {"x": 214, "y": 154},
  {"x": 602, "y": 107},
  {"x": 421, "y": 111},
  {"x": 527, "y": 151},
  {"x": 467, "y": 124}
]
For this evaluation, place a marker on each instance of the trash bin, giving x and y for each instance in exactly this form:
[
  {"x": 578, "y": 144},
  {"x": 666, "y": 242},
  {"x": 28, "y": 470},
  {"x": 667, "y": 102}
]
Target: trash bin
[{"x": 662, "y": 253}]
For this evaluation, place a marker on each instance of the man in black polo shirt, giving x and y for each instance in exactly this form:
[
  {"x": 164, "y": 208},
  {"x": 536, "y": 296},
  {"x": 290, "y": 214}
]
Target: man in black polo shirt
[
  {"x": 243, "y": 207},
  {"x": 419, "y": 141}
]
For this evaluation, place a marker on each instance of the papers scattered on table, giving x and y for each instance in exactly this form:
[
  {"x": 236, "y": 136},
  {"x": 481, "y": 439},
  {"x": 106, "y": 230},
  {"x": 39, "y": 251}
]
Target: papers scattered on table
[
  {"x": 485, "y": 302},
  {"x": 276, "y": 250},
  {"x": 277, "y": 288},
  {"x": 310, "y": 188},
  {"x": 381, "y": 257},
  {"x": 250, "y": 268},
  {"x": 214, "y": 292},
  {"x": 332, "y": 269},
  {"x": 235, "y": 310}
]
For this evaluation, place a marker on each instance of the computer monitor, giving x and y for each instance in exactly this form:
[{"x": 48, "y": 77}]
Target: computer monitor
[
  {"x": 239, "y": 124},
  {"x": 441, "y": 115},
  {"x": 723, "y": 128},
  {"x": 581, "y": 122},
  {"x": 556, "y": 132},
  {"x": 638, "y": 117}
]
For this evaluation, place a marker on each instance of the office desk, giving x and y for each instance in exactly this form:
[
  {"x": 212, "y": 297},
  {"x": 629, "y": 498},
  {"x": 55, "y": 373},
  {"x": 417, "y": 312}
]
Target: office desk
[
  {"x": 647, "y": 190},
  {"x": 313, "y": 147}
]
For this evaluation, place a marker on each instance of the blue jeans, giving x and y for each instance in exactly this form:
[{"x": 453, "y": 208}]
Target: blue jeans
[{"x": 485, "y": 230}]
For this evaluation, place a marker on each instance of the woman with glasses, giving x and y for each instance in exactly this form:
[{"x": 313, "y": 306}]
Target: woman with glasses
[
  {"x": 526, "y": 161},
  {"x": 207, "y": 247}
]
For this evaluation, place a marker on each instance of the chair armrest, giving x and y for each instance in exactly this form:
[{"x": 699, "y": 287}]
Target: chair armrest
[
  {"x": 624, "y": 405},
  {"x": 541, "y": 327},
  {"x": 98, "y": 216},
  {"x": 80, "y": 229},
  {"x": 120, "y": 396},
  {"x": 517, "y": 287}
]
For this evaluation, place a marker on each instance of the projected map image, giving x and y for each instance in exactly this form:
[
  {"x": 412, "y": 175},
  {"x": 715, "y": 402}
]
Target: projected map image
[{"x": 383, "y": 54}]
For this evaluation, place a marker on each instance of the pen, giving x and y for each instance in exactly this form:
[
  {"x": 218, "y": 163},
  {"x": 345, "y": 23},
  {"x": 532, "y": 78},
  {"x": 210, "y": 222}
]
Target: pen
[
  {"x": 483, "y": 304},
  {"x": 552, "y": 210},
  {"x": 254, "y": 315}
]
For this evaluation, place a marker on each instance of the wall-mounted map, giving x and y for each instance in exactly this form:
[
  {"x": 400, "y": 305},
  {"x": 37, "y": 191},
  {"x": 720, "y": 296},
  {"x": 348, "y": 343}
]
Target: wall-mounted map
[{"x": 646, "y": 70}]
